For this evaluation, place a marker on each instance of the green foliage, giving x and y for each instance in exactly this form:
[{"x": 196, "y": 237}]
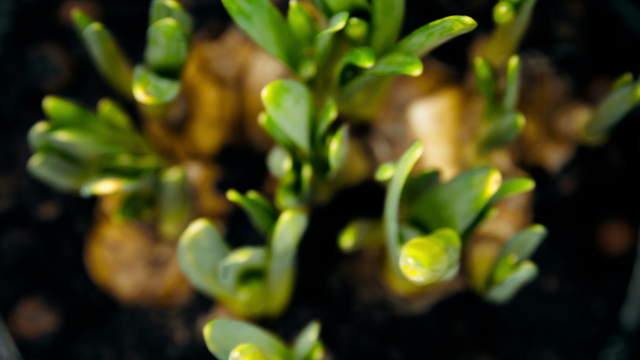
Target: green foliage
[
  {"x": 237, "y": 340},
  {"x": 101, "y": 153},
  {"x": 319, "y": 49},
  {"x": 157, "y": 81},
  {"x": 428, "y": 222},
  {"x": 512, "y": 18},
  {"x": 254, "y": 281}
]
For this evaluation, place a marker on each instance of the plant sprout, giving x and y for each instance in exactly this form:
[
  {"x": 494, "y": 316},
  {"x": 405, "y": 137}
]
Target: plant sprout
[
  {"x": 251, "y": 281},
  {"x": 237, "y": 340},
  {"x": 101, "y": 153},
  {"x": 427, "y": 224},
  {"x": 156, "y": 82}
]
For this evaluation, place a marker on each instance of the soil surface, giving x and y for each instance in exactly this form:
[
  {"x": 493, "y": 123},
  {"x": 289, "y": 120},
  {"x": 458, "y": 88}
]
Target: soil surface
[{"x": 54, "y": 311}]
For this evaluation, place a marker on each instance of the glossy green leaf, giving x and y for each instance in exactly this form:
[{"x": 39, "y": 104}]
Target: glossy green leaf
[
  {"x": 222, "y": 336},
  {"x": 397, "y": 64},
  {"x": 392, "y": 202},
  {"x": 512, "y": 19},
  {"x": 504, "y": 291},
  {"x": 417, "y": 185},
  {"x": 327, "y": 115},
  {"x": 240, "y": 262},
  {"x": 457, "y": 203},
  {"x": 150, "y": 88},
  {"x": 247, "y": 352},
  {"x": 503, "y": 129},
  {"x": 524, "y": 243},
  {"x": 512, "y": 89},
  {"x": 430, "y": 36},
  {"x": 357, "y": 30},
  {"x": 201, "y": 250},
  {"x": 429, "y": 259},
  {"x": 514, "y": 186},
  {"x": 290, "y": 104},
  {"x": 386, "y": 23},
  {"x": 108, "y": 57},
  {"x": 111, "y": 184},
  {"x": 167, "y": 47},
  {"x": 302, "y": 24},
  {"x": 362, "y": 57},
  {"x": 271, "y": 126},
  {"x": 283, "y": 247},
  {"x": 338, "y": 149},
  {"x": 262, "y": 215},
  {"x": 57, "y": 171},
  {"x": 385, "y": 172},
  {"x": 82, "y": 144},
  {"x": 267, "y": 27},
  {"x": 346, "y": 5},
  {"x": 161, "y": 9},
  {"x": 306, "y": 342},
  {"x": 38, "y": 135},
  {"x": 279, "y": 161},
  {"x": 325, "y": 39},
  {"x": 175, "y": 202}
]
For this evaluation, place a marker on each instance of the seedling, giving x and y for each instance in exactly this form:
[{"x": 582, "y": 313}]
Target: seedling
[
  {"x": 101, "y": 153},
  {"x": 251, "y": 281},
  {"x": 156, "y": 82},
  {"x": 427, "y": 224},
  {"x": 237, "y": 340},
  {"x": 344, "y": 50}
]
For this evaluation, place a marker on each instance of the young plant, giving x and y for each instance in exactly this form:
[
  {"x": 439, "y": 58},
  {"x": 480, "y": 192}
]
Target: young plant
[
  {"x": 344, "y": 50},
  {"x": 237, "y": 340},
  {"x": 156, "y": 82},
  {"x": 251, "y": 281},
  {"x": 101, "y": 153},
  {"x": 428, "y": 223}
]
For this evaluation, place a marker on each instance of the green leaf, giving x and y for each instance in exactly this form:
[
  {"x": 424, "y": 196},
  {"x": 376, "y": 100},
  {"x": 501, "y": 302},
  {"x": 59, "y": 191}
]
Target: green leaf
[
  {"x": 523, "y": 244},
  {"x": 262, "y": 21},
  {"x": 503, "y": 129},
  {"x": 39, "y": 135},
  {"x": 336, "y": 23},
  {"x": 161, "y": 9},
  {"x": 357, "y": 30},
  {"x": 512, "y": 91},
  {"x": 270, "y": 125},
  {"x": 622, "y": 81},
  {"x": 611, "y": 110},
  {"x": 247, "y": 352},
  {"x": 283, "y": 246},
  {"x": 512, "y": 19},
  {"x": 111, "y": 184},
  {"x": 150, "y": 88},
  {"x": 64, "y": 113},
  {"x": 397, "y": 63},
  {"x": 385, "y": 172},
  {"x": 327, "y": 115},
  {"x": 110, "y": 113},
  {"x": 262, "y": 215},
  {"x": 57, "y": 171},
  {"x": 346, "y": 5},
  {"x": 513, "y": 186},
  {"x": 338, "y": 149},
  {"x": 306, "y": 342},
  {"x": 392, "y": 202},
  {"x": 167, "y": 47},
  {"x": 82, "y": 144},
  {"x": 324, "y": 40},
  {"x": 429, "y": 259},
  {"x": 279, "y": 161},
  {"x": 504, "y": 291},
  {"x": 457, "y": 203},
  {"x": 80, "y": 20},
  {"x": 430, "y": 36},
  {"x": 386, "y": 23},
  {"x": 108, "y": 57},
  {"x": 301, "y": 23},
  {"x": 416, "y": 185},
  {"x": 242, "y": 261},
  {"x": 362, "y": 57},
  {"x": 201, "y": 250},
  {"x": 222, "y": 336},
  {"x": 175, "y": 203},
  {"x": 290, "y": 104},
  {"x": 486, "y": 82}
]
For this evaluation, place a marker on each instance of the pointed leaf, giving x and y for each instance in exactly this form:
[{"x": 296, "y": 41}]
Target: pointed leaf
[
  {"x": 397, "y": 64},
  {"x": 430, "y": 36},
  {"x": 306, "y": 342},
  {"x": 458, "y": 203},
  {"x": 611, "y": 110},
  {"x": 512, "y": 91},
  {"x": 224, "y": 335},
  {"x": 513, "y": 186},
  {"x": 262, "y": 21}
]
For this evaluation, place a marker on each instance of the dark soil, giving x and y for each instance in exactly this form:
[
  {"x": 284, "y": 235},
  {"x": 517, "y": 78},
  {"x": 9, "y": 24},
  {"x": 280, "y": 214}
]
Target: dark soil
[{"x": 569, "y": 312}]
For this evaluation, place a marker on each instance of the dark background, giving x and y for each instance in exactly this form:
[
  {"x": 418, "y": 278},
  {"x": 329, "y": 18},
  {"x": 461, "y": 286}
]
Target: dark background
[{"x": 569, "y": 312}]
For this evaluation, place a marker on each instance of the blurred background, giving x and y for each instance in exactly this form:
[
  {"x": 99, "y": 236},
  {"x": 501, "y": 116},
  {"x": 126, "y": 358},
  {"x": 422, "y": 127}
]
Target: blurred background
[{"x": 52, "y": 309}]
